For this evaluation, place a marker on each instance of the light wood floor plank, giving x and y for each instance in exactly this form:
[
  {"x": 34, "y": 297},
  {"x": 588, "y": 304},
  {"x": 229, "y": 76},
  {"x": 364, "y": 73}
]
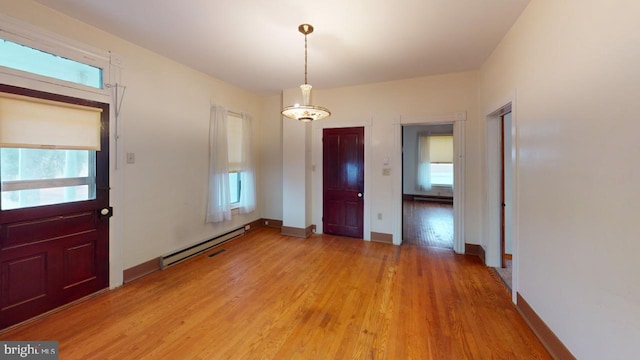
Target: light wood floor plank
[
  {"x": 268, "y": 296},
  {"x": 426, "y": 223}
]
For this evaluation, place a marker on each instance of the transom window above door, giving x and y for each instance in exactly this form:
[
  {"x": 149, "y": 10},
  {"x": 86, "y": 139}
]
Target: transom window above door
[{"x": 24, "y": 58}]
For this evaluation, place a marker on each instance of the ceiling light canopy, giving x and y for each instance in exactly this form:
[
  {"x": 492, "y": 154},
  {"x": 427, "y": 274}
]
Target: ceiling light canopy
[{"x": 305, "y": 112}]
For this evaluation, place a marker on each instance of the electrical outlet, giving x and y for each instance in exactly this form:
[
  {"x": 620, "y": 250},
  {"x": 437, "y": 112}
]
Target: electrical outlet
[
  {"x": 386, "y": 172},
  {"x": 379, "y": 216},
  {"x": 266, "y": 222},
  {"x": 247, "y": 227}
]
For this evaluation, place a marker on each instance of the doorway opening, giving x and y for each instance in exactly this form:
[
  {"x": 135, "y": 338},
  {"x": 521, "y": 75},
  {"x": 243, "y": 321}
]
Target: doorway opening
[
  {"x": 500, "y": 198},
  {"x": 505, "y": 271},
  {"x": 427, "y": 185}
]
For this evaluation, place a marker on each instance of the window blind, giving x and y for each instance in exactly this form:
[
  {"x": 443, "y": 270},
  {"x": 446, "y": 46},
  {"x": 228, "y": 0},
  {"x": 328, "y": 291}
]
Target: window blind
[
  {"x": 437, "y": 148},
  {"x": 234, "y": 142},
  {"x": 27, "y": 122}
]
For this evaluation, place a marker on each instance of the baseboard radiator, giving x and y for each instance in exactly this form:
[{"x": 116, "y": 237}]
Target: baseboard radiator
[
  {"x": 439, "y": 199},
  {"x": 181, "y": 255}
]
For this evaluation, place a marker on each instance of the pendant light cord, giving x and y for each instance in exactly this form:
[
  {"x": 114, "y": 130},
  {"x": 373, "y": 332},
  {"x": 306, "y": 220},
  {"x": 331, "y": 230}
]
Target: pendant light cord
[{"x": 305, "y": 59}]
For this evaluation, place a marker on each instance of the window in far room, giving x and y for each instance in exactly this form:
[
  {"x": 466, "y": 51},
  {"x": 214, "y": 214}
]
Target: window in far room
[
  {"x": 441, "y": 164},
  {"x": 435, "y": 161}
]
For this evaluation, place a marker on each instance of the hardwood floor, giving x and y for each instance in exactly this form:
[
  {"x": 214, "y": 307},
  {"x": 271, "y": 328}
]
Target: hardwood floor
[
  {"x": 268, "y": 296},
  {"x": 427, "y": 223}
]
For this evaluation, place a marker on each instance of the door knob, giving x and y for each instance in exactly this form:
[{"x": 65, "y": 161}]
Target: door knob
[
  {"x": 360, "y": 195},
  {"x": 108, "y": 211}
]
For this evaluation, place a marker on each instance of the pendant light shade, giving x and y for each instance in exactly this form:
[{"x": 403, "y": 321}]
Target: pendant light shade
[{"x": 305, "y": 111}]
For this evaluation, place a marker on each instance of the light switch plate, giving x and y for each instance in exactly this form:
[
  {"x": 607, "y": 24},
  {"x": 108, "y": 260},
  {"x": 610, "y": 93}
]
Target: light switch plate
[{"x": 131, "y": 158}]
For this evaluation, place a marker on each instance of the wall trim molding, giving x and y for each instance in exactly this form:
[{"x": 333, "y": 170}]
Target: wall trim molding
[
  {"x": 295, "y": 232},
  {"x": 141, "y": 270},
  {"x": 382, "y": 238},
  {"x": 272, "y": 223},
  {"x": 255, "y": 224},
  {"x": 475, "y": 250},
  {"x": 554, "y": 346}
]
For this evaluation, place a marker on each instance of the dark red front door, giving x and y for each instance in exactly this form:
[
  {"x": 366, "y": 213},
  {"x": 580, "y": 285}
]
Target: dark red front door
[
  {"x": 53, "y": 254},
  {"x": 343, "y": 181}
]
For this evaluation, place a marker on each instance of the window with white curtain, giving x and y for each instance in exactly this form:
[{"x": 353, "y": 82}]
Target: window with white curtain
[
  {"x": 435, "y": 161},
  {"x": 231, "y": 169},
  {"x": 241, "y": 171}
]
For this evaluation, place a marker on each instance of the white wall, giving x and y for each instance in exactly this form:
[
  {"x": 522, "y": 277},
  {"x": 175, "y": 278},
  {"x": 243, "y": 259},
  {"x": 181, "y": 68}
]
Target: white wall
[
  {"x": 271, "y": 157},
  {"x": 165, "y": 117},
  {"x": 573, "y": 66},
  {"x": 296, "y": 168}
]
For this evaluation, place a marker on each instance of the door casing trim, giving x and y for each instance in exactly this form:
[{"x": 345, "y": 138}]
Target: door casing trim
[{"x": 318, "y": 203}]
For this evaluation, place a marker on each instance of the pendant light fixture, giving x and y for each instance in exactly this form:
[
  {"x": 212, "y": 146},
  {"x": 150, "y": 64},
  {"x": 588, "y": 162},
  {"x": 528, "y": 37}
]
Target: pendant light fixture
[{"x": 305, "y": 112}]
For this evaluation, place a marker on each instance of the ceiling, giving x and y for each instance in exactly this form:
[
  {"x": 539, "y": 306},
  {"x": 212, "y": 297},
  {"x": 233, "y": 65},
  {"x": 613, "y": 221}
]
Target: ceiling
[{"x": 256, "y": 45}]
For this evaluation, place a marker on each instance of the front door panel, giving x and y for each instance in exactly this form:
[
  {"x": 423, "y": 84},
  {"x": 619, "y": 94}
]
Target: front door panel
[{"x": 54, "y": 254}]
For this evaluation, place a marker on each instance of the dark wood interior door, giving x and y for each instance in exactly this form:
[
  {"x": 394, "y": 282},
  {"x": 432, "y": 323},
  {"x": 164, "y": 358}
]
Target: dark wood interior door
[
  {"x": 343, "y": 181},
  {"x": 54, "y": 254}
]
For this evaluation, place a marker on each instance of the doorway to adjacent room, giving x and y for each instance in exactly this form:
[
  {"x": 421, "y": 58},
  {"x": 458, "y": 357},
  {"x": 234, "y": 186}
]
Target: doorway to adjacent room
[{"x": 427, "y": 191}]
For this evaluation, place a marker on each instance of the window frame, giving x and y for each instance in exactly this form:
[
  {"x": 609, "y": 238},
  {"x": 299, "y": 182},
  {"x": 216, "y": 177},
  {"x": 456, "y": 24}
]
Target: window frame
[
  {"x": 28, "y": 35},
  {"x": 27, "y": 58}
]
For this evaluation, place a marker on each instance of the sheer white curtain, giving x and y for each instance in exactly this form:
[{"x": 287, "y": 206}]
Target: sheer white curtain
[
  {"x": 423, "y": 179},
  {"x": 218, "y": 207},
  {"x": 247, "y": 174}
]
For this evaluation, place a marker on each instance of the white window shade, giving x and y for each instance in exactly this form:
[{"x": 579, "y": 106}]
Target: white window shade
[
  {"x": 27, "y": 122},
  {"x": 234, "y": 143},
  {"x": 440, "y": 149}
]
